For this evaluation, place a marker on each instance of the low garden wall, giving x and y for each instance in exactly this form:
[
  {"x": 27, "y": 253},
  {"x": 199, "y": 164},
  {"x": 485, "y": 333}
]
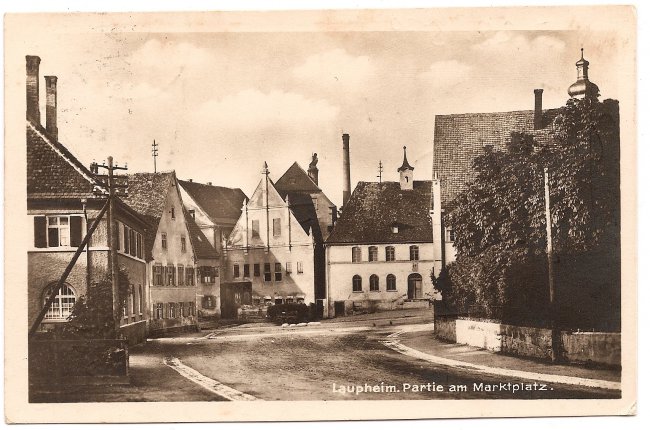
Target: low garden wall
[{"x": 577, "y": 347}]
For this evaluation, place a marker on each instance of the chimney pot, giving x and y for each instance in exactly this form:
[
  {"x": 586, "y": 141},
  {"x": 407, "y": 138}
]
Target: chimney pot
[
  {"x": 50, "y": 107},
  {"x": 538, "y": 115},
  {"x": 191, "y": 180},
  {"x": 31, "y": 80},
  {"x": 209, "y": 183}
]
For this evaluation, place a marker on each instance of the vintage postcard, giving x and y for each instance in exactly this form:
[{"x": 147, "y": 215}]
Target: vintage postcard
[{"x": 335, "y": 215}]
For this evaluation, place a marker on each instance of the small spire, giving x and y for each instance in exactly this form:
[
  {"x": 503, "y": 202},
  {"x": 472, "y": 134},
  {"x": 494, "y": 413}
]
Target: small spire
[
  {"x": 265, "y": 169},
  {"x": 405, "y": 163}
]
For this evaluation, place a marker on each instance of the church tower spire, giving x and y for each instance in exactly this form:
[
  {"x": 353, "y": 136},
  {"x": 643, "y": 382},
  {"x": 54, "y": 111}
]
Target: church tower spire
[
  {"x": 405, "y": 174},
  {"x": 583, "y": 87}
]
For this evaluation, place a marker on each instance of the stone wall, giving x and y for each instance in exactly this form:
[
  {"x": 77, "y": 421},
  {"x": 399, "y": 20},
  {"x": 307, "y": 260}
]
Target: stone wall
[{"x": 530, "y": 342}]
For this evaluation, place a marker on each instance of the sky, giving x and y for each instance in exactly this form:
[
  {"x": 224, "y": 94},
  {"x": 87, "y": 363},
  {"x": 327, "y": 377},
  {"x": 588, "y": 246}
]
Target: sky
[{"x": 220, "y": 104}]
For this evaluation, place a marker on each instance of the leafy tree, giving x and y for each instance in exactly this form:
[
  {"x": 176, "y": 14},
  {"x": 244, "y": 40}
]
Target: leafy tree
[
  {"x": 92, "y": 315},
  {"x": 500, "y": 224}
]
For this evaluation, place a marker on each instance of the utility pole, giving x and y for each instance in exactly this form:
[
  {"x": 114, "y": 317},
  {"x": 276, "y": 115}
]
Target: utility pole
[
  {"x": 555, "y": 335},
  {"x": 381, "y": 169},
  {"x": 113, "y": 183},
  {"x": 154, "y": 153}
]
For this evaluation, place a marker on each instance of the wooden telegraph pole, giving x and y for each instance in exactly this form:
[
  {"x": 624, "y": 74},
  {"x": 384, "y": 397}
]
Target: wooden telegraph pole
[
  {"x": 555, "y": 338},
  {"x": 113, "y": 185}
]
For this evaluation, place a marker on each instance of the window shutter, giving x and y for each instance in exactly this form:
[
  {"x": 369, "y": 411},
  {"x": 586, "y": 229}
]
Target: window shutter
[
  {"x": 40, "y": 227},
  {"x": 75, "y": 230}
]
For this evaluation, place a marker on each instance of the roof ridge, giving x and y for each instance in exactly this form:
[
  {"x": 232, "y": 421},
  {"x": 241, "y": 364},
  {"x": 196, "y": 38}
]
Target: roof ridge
[
  {"x": 64, "y": 153},
  {"x": 496, "y": 113}
]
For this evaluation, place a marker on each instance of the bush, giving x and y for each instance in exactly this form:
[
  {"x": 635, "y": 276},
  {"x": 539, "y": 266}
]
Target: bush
[{"x": 288, "y": 312}]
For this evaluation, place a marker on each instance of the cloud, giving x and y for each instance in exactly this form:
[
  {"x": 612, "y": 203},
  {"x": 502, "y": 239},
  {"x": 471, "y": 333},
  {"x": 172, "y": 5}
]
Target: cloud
[
  {"x": 251, "y": 109},
  {"x": 516, "y": 42},
  {"x": 335, "y": 67},
  {"x": 445, "y": 73}
]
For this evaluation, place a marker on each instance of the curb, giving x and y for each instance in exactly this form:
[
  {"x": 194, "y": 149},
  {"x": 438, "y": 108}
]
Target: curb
[{"x": 396, "y": 346}]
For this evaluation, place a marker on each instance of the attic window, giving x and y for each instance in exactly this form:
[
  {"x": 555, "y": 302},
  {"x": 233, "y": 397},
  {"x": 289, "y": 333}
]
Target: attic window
[
  {"x": 173, "y": 213},
  {"x": 395, "y": 228},
  {"x": 192, "y": 214}
]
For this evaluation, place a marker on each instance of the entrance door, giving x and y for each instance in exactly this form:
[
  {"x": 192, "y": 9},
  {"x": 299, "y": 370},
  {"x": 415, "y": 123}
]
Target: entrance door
[
  {"x": 414, "y": 286},
  {"x": 339, "y": 309}
]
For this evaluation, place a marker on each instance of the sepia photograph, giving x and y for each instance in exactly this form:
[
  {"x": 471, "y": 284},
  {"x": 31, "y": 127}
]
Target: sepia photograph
[{"x": 342, "y": 210}]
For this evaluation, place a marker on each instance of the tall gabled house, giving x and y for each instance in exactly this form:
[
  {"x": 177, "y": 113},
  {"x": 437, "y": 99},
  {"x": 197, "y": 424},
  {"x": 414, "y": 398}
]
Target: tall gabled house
[
  {"x": 169, "y": 252},
  {"x": 313, "y": 209},
  {"x": 62, "y": 205},
  {"x": 269, "y": 254}
]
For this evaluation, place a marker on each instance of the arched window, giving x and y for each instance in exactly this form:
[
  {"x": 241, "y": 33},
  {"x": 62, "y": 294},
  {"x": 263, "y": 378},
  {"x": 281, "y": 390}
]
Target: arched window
[
  {"x": 390, "y": 253},
  {"x": 356, "y": 254},
  {"x": 374, "y": 283},
  {"x": 391, "y": 283},
  {"x": 62, "y": 306},
  {"x": 372, "y": 253},
  {"x": 356, "y": 284},
  {"x": 414, "y": 253}
]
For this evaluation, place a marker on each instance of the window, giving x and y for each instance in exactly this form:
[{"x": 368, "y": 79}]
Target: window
[
  {"x": 356, "y": 284},
  {"x": 372, "y": 253},
  {"x": 395, "y": 228},
  {"x": 163, "y": 238},
  {"x": 63, "y": 303},
  {"x": 450, "y": 235},
  {"x": 209, "y": 302},
  {"x": 172, "y": 310},
  {"x": 189, "y": 276},
  {"x": 267, "y": 272},
  {"x": 140, "y": 300},
  {"x": 159, "y": 311},
  {"x": 255, "y": 228},
  {"x": 192, "y": 308},
  {"x": 374, "y": 283},
  {"x": 256, "y": 269},
  {"x": 132, "y": 241},
  {"x": 299, "y": 266},
  {"x": 247, "y": 270},
  {"x": 278, "y": 272},
  {"x": 208, "y": 274},
  {"x": 118, "y": 236},
  {"x": 127, "y": 234},
  {"x": 171, "y": 275},
  {"x": 288, "y": 267},
  {"x": 235, "y": 270},
  {"x": 192, "y": 213},
  {"x": 158, "y": 274},
  {"x": 181, "y": 275},
  {"x": 139, "y": 253},
  {"x": 173, "y": 213},
  {"x": 276, "y": 227},
  {"x": 183, "y": 244},
  {"x": 182, "y": 310},
  {"x": 391, "y": 284},
  {"x": 390, "y": 253},
  {"x": 414, "y": 252},
  {"x": 133, "y": 301},
  {"x": 55, "y": 231},
  {"x": 356, "y": 254}
]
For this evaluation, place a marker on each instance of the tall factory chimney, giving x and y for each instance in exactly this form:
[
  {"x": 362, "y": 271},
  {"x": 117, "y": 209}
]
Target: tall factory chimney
[{"x": 346, "y": 168}]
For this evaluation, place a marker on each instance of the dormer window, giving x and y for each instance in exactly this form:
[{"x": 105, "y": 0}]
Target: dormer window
[{"x": 395, "y": 228}]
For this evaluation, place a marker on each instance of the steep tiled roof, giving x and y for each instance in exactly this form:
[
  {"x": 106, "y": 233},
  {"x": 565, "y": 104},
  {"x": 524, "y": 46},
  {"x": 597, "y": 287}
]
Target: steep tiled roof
[
  {"x": 374, "y": 208},
  {"x": 217, "y": 202},
  {"x": 303, "y": 209},
  {"x": 460, "y": 138},
  {"x": 52, "y": 170},
  {"x": 200, "y": 244},
  {"x": 147, "y": 196},
  {"x": 296, "y": 179}
]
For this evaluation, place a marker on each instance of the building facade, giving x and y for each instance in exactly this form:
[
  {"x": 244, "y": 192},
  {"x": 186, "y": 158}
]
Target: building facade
[
  {"x": 379, "y": 255},
  {"x": 63, "y": 200},
  {"x": 171, "y": 268},
  {"x": 214, "y": 210},
  {"x": 269, "y": 254}
]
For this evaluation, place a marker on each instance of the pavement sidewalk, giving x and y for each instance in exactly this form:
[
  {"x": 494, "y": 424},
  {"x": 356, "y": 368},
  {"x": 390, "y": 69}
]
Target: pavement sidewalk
[{"x": 425, "y": 343}]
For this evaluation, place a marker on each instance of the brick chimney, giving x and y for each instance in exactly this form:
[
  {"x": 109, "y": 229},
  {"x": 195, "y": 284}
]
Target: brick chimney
[
  {"x": 50, "y": 107},
  {"x": 346, "y": 168},
  {"x": 32, "y": 78},
  {"x": 537, "y": 117}
]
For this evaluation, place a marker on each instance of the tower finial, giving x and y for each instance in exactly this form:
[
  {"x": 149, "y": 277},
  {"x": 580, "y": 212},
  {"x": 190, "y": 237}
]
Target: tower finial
[{"x": 582, "y": 53}]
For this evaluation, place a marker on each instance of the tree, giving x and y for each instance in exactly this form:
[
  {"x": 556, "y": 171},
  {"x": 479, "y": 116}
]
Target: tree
[
  {"x": 92, "y": 315},
  {"x": 499, "y": 220}
]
